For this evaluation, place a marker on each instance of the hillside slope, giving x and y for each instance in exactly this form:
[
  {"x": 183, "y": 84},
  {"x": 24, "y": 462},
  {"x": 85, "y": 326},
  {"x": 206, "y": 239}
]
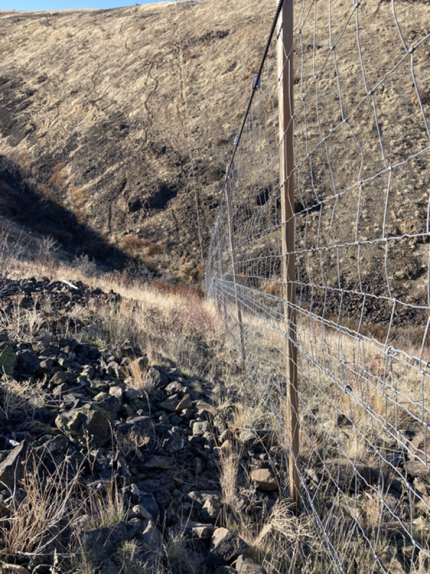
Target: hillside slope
[{"x": 126, "y": 117}]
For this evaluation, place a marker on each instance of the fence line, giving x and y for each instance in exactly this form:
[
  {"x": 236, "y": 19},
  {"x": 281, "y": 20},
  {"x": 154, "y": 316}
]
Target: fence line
[{"x": 357, "y": 235}]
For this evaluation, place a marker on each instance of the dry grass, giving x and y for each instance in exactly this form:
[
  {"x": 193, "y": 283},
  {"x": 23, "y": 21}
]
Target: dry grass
[
  {"x": 20, "y": 398},
  {"x": 48, "y": 508},
  {"x": 104, "y": 510},
  {"x": 133, "y": 242}
]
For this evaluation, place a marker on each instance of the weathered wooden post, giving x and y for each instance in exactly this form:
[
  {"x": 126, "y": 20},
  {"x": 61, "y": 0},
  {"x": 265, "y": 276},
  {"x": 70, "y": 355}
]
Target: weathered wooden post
[
  {"x": 286, "y": 135},
  {"x": 233, "y": 262},
  {"x": 221, "y": 271}
]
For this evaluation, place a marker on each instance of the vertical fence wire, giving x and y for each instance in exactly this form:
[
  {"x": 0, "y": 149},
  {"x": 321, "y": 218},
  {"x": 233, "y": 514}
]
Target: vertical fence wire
[{"x": 361, "y": 219}]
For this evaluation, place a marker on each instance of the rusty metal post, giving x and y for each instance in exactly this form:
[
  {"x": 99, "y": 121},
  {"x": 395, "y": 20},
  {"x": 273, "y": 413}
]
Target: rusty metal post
[{"x": 286, "y": 135}]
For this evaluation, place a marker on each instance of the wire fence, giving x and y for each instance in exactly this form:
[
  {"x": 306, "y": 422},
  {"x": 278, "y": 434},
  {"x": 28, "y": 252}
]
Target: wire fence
[{"x": 361, "y": 223}]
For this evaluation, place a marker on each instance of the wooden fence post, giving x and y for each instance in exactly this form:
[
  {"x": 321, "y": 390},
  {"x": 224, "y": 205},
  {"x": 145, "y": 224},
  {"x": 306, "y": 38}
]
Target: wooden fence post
[
  {"x": 233, "y": 263},
  {"x": 221, "y": 271},
  {"x": 286, "y": 135}
]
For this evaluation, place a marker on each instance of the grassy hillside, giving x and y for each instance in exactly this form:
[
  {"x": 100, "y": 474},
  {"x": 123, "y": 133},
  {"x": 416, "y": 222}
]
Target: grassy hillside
[{"x": 125, "y": 118}]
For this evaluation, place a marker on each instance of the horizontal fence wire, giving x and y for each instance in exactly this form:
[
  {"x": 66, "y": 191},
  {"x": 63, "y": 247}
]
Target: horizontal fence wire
[{"x": 361, "y": 218}]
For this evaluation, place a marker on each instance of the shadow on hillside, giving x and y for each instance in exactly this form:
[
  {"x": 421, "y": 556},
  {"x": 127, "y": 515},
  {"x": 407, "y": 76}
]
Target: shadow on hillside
[{"x": 20, "y": 202}]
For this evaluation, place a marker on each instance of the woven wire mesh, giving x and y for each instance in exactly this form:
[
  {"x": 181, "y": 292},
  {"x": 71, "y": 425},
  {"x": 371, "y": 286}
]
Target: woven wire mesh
[{"x": 362, "y": 236}]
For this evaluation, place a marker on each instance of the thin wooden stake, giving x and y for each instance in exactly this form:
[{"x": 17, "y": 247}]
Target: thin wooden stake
[
  {"x": 233, "y": 263},
  {"x": 221, "y": 271},
  {"x": 286, "y": 135}
]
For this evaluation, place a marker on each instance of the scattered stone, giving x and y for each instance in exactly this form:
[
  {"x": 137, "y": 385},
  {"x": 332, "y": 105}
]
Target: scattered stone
[
  {"x": 12, "y": 468},
  {"x": 346, "y": 474},
  {"x": 225, "y": 547},
  {"x": 174, "y": 441},
  {"x": 247, "y": 566},
  {"x": 199, "y": 429},
  {"x": 205, "y": 407},
  {"x": 59, "y": 378},
  {"x": 8, "y": 360},
  {"x": 109, "y": 567},
  {"x": 417, "y": 470},
  {"x": 159, "y": 462},
  {"x": 392, "y": 561},
  {"x": 102, "y": 542},
  {"x": 151, "y": 536},
  {"x": 264, "y": 479},
  {"x": 156, "y": 378},
  {"x": 419, "y": 446},
  {"x": 184, "y": 403}
]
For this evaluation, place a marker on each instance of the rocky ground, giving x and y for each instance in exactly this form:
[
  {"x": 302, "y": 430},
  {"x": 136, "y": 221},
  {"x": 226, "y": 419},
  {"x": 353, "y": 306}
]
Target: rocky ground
[
  {"x": 116, "y": 460},
  {"x": 102, "y": 420}
]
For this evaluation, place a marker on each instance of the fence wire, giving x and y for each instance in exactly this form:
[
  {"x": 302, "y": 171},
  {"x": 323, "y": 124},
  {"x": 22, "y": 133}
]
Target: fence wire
[{"x": 362, "y": 251}]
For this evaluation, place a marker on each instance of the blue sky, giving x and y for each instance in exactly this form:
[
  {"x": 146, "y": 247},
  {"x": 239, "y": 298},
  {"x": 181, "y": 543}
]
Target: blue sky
[{"x": 66, "y": 4}]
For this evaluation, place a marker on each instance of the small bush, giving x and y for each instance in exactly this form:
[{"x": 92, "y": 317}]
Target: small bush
[
  {"x": 220, "y": 141},
  {"x": 133, "y": 242},
  {"x": 155, "y": 249},
  {"x": 57, "y": 179}
]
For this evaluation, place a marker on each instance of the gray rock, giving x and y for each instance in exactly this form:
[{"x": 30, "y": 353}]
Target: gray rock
[
  {"x": 347, "y": 475},
  {"x": 148, "y": 501},
  {"x": 116, "y": 392},
  {"x": 225, "y": 547},
  {"x": 184, "y": 403},
  {"x": 156, "y": 378},
  {"x": 102, "y": 542},
  {"x": 159, "y": 462},
  {"x": 8, "y": 360},
  {"x": 199, "y": 429},
  {"x": 28, "y": 362},
  {"x": 173, "y": 388},
  {"x": 138, "y": 429},
  {"x": 109, "y": 567},
  {"x": 59, "y": 378},
  {"x": 202, "y": 531},
  {"x": 392, "y": 561},
  {"x": 130, "y": 394},
  {"x": 151, "y": 536},
  {"x": 247, "y": 566},
  {"x": 174, "y": 441},
  {"x": 12, "y": 469}
]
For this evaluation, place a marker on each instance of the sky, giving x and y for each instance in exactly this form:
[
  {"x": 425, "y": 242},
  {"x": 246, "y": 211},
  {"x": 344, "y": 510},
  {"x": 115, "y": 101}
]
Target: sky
[{"x": 66, "y": 4}]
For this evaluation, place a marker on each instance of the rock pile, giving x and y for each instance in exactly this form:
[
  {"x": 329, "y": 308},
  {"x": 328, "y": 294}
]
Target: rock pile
[{"x": 157, "y": 444}]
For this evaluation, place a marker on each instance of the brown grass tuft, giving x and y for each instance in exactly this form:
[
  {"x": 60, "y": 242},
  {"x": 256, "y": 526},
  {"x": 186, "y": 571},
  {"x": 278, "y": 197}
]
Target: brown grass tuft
[{"x": 133, "y": 242}]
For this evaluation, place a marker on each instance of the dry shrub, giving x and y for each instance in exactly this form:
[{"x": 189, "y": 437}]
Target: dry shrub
[
  {"x": 57, "y": 178},
  {"x": 274, "y": 288},
  {"x": 220, "y": 141},
  {"x": 133, "y": 242},
  {"x": 229, "y": 457},
  {"x": 136, "y": 373},
  {"x": 80, "y": 216},
  {"x": 79, "y": 196},
  {"x": 155, "y": 249},
  {"x": 104, "y": 510},
  {"x": 21, "y": 399},
  {"x": 48, "y": 508}
]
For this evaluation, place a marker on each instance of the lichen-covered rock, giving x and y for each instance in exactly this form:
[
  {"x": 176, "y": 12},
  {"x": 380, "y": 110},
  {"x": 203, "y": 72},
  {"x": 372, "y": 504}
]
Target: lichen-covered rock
[
  {"x": 89, "y": 423},
  {"x": 8, "y": 360}
]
